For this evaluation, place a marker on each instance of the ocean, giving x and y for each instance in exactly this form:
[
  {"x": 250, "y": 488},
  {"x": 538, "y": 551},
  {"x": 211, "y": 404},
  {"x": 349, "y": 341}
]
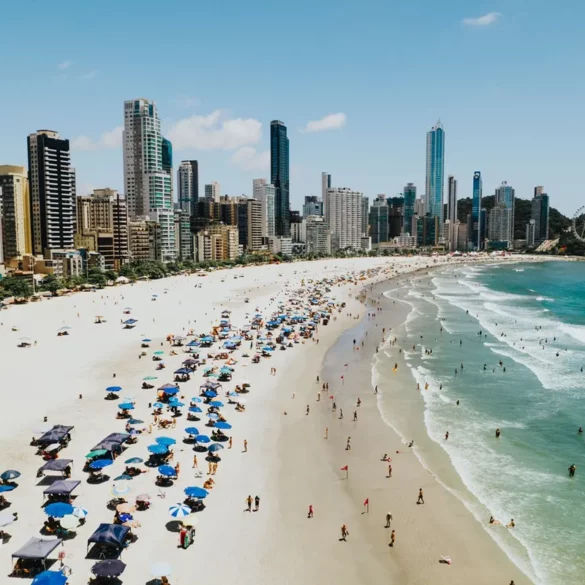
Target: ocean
[{"x": 508, "y": 342}]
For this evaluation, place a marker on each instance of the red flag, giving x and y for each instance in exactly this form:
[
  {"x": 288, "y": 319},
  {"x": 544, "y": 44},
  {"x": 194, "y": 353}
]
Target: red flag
[
  {"x": 346, "y": 468},
  {"x": 367, "y": 501}
]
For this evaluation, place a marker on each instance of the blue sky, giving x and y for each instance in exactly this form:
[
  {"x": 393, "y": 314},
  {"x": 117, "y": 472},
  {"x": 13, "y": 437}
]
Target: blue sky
[{"x": 509, "y": 88}]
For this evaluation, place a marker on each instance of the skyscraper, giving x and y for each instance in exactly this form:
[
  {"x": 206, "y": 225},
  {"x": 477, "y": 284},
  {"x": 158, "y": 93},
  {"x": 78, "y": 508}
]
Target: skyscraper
[
  {"x": 188, "y": 185},
  {"x": 14, "y": 211},
  {"x": 213, "y": 191},
  {"x": 325, "y": 184},
  {"x": 51, "y": 197},
  {"x": 451, "y": 199},
  {"x": 505, "y": 197},
  {"x": 313, "y": 206},
  {"x": 378, "y": 220},
  {"x": 409, "y": 209},
  {"x": 344, "y": 218},
  {"x": 265, "y": 193},
  {"x": 540, "y": 214},
  {"x": 435, "y": 171},
  {"x": 280, "y": 177},
  {"x": 476, "y": 212},
  {"x": 147, "y": 172}
]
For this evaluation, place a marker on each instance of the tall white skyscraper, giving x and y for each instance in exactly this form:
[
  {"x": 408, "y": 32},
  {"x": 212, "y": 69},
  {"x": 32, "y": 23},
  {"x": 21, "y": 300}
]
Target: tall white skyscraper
[
  {"x": 188, "y": 185},
  {"x": 266, "y": 193},
  {"x": 213, "y": 191},
  {"x": 344, "y": 218},
  {"x": 325, "y": 184},
  {"x": 147, "y": 181},
  {"x": 435, "y": 171}
]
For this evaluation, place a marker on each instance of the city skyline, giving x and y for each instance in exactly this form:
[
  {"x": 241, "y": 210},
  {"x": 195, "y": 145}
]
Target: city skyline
[{"x": 373, "y": 145}]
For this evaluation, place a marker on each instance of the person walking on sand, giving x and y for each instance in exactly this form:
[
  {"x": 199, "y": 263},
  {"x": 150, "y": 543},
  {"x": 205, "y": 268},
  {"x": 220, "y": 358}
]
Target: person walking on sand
[
  {"x": 326, "y": 432},
  {"x": 341, "y": 413},
  {"x": 195, "y": 466},
  {"x": 249, "y": 503},
  {"x": 392, "y": 538},
  {"x": 355, "y": 415},
  {"x": 310, "y": 514},
  {"x": 388, "y": 519},
  {"x": 348, "y": 444},
  {"x": 256, "y": 503},
  {"x": 245, "y": 445},
  {"x": 344, "y": 532},
  {"x": 390, "y": 470},
  {"x": 421, "y": 499},
  {"x": 308, "y": 409},
  {"x": 230, "y": 443}
]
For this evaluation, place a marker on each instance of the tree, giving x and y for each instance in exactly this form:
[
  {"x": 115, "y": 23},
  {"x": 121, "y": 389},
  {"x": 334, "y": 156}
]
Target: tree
[
  {"x": 98, "y": 279},
  {"x": 51, "y": 284},
  {"x": 16, "y": 287}
]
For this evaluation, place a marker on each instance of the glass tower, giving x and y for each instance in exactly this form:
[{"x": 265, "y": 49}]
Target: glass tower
[
  {"x": 409, "y": 202},
  {"x": 476, "y": 230},
  {"x": 279, "y": 177},
  {"x": 435, "y": 171},
  {"x": 505, "y": 197}
]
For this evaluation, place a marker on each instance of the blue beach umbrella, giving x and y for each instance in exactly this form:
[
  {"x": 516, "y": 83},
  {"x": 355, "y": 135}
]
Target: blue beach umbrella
[
  {"x": 176, "y": 404},
  {"x": 213, "y": 416},
  {"x": 6, "y": 488},
  {"x": 125, "y": 517},
  {"x": 179, "y": 511},
  {"x": 123, "y": 477},
  {"x": 202, "y": 439},
  {"x": 216, "y": 403},
  {"x": 113, "y": 389},
  {"x": 10, "y": 474},
  {"x": 133, "y": 460},
  {"x": 183, "y": 371},
  {"x": 196, "y": 492},
  {"x": 135, "y": 421},
  {"x": 167, "y": 471},
  {"x": 126, "y": 406},
  {"x": 222, "y": 425},
  {"x": 210, "y": 393},
  {"x": 192, "y": 431},
  {"x": 58, "y": 509},
  {"x": 215, "y": 447},
  {"x": 165, "y": 441},
  {"x": 146, "y": 340},
  {"x": 157, "y": 449},
  {"x": 195, "y": 409},
  {"x": 171, "y": 391},
  {"x": 50, "y": 578},
  {"x": 267, "y": 348},
  {"x": 196, "y": 399},
  {"x": 101, "y": 463},
  {"x": 158, "y": 405}
]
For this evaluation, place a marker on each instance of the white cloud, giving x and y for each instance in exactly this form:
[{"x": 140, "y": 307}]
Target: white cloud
[
  {"x": 249, "y": 159},
  {"x": 89, "y": 75},
  {"x": 65, "y": 65},
  {"x": 185, "y": 101},
  {"x": 330, "y": 122},
  {"x": 484, "y": 20},
  {"x": 110, "y": 139},
  {"x": 211, "y": 132}
]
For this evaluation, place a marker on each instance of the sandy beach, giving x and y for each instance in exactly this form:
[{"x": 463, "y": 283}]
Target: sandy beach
[{"x": 289, "y": 464}]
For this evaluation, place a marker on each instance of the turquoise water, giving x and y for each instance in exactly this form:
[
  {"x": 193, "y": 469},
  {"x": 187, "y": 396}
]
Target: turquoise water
[{"x": 532, "y": 318}]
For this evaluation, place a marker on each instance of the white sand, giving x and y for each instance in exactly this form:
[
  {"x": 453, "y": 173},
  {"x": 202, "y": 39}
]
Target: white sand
[{"x": 45, "y": 380}]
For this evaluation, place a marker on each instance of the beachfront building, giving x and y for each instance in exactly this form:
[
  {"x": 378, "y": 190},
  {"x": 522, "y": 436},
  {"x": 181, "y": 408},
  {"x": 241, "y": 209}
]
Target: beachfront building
[
  {"x": 280, "y": 177},
  {"x": 266, "y": 193},
  {"x": 505, "y": 195},
  {"x": 409, "y": 210},
  {"x": 51, "y": 197},
  {"x": 318, "y": 237},
  {"x": 451, "y": 199},
  {"x": 280, "y": 245},
  {"x": 427, "y": 230},
  {"x": 15, "y": 217},
  {"x": 216, "y": 243},
  {"x": 143, "y": 237},
  {"x": 188, "y": 185},
  {"x": 313, "y": 205},
  {"x": 499, "y": 227},
  {"x": 344, "y": 212},
  {"x": 476, "y": 241},
  {"x": 148, "y": 177},
  {"x": 250, "y": 224},
  {"x": 378, "y": 220},
  {"x": 540, "y": 214},
  {"x": 184, "y": 243},
  {"x": 435, "y": 171},
  {"x": 298, "y": 230},
  {"x": 531, "y": 233},
  {"x": 213, "y": 191},
  {"x": 102, "y": 226}
]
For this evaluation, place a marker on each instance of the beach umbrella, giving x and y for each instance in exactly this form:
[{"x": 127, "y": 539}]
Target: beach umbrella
[
  {"x": 196, "y": 492},
  {"x": 222, "y": 425},
  {"x": 158, "y": 405},
  {"x": 6, "y": 518},
  {"x": 58, "y": 509},
  {"x": 135, "y": 421},
  {"x": 215, "y": 447},
  {"x": 202, "y": 439},
  {"x": 149, "y": 378},
  {"x": 159, "y": 353},
  {"x": 10, "y": 474},
  {"x": 176, "y": 404},
  {"x": 121, "y": 490},
  {"x": 192, "y": 431},
  {"x": 133, "y": 460},
  {"x": 6, "y": 488},
  {"x": 96, "y": 453},
  {"x": 160, "y": 570},
  {"x": 182, "y": 371},
  {"x": 100, "y": 463},
  {"x": 179, "y": 511},
  {"x": 143, "y": 498},
  {"x": 130, "y": 399},
  {"x": 216, "y": 403},
  {"x": 195, "y": 409},
  {"x": 165, "y": 441},
  {"x": 196, "y": 399},
  {"x": 126, "y": 406},
  {"x": 50, "y": 578},
  {"x": 267, "y": 348},
  {"x": 213, "y": 416},
  {"x": 167, "y": 470},
  {"x": 146, "y": 340},
  {"x": 108, "y": 568},
  {"x": 126, "y": 518},
  {"x": 113, "y": 389},
  {"x": 171, "y": 391},
  {"x": 210, "y": 393},
  {"x": 157, "y": 449},
  {"x": 123, "y": 477},
  {"x": 79, "y": 512},
  {"x": 69, "y": 522}
]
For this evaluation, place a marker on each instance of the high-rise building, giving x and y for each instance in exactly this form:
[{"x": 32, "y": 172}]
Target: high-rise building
[
  {"x": 531, "y": 233},
  {"x": 344, "y": 217},
  {"x": 217, "y": 242},
  {"x": 505, "y": 196},
  {"x": 51, "y": 198},
  {"x": 378, "y": 220},
  {"x": 451, "y": 199},
  {"x": 427, "y": 233},
  {"x": 476, "y": 212},
  {"x": 409, "y": 209},
  {"x": 250, "y": 224},
  {"x": 188, "y": 185},
  {"x": 325, "y": 184},
  {"x": 213, "y": 191},
  {"x": 318, "y": 236},
  {"x": 499, "y": 227},
  {"x": 102, "y": 226},
  {"x": 14, "y": 212},
  {"x": 435, "y": 171},
  {"x": 184, "y": 243},
  {"x": 313, "y": 205},
  {"x": 167, "y": 156},
  {"x": 140, "y": 234},
  {"x": 280, "y": 176},
  {"x": 540, "y": 214},
  {"x": 365, "y": 216},
  {"x": 419, "y": 206},
  {"x": 266, "y": 193}
]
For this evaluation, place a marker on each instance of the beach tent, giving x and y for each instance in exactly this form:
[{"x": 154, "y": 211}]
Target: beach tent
[
  {"x": 56, "y": 465},
  {"x": 55, "y": 435},
  {"x": 111, "y": 442},
  {"x": 63, "y": 487},
  {"x": 109, "y": 534},
  {"x": 50, "y": 578},
  {"x": 37, "y": 549}
]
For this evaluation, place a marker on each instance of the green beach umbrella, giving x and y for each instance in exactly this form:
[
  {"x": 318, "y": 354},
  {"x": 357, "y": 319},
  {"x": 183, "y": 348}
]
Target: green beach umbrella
[
  {"x": 159, "y": 353},
  {"x": 96, "y": 453},
  {"x": 149, "y": 378}
]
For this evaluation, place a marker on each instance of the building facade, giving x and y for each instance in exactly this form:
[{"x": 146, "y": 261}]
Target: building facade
[
  {"x": 409, "y": 209},
  {"x": 505, "y": 195},
  {"x": 451, "y": 199},
  {"x": 266, "y": 194},
  {"x": 184, "y": 243},
  {"x": 213, "y": 191},
  {"x": 499, "y": 226},
  {"x": 344, "y": 217},
  {"x": 280, "y": 176},
  {"x": 378, "y": 220},
  {"x": 313, "y": 205},
  {"x": 250, "y": 224},
  {"x": 188, "y": 185},
  {"x": 15, "y": 212},
  {"x": 476, "y": 227},
  {"x": 540, "y": 213},
  {"x": 216, "y": 243},
  {"x": 435, "y": 171}
]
